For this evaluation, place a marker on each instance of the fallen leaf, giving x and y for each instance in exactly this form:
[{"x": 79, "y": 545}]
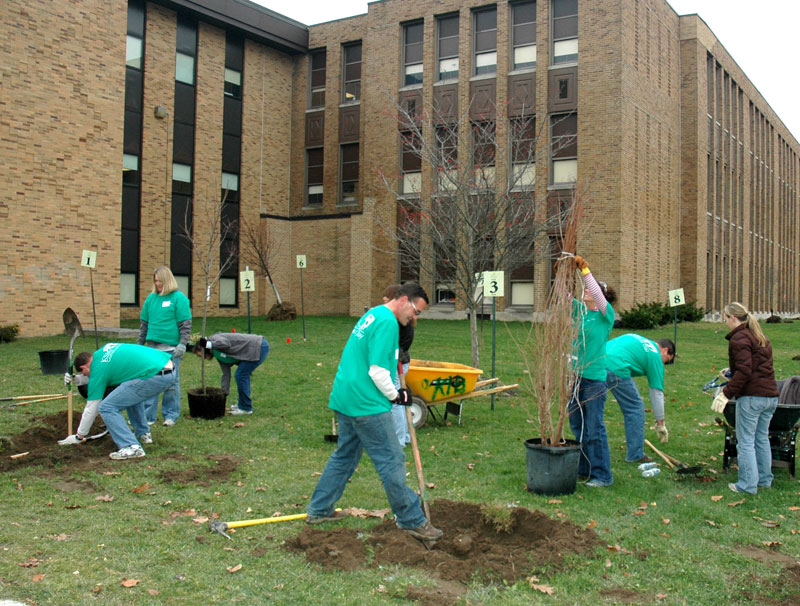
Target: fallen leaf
[
  {"x": 430, "y": 485},
  {"x": 665, "y": 520},
  {"x": 608, "y": 563},
  {"x": 794, "y": 508},
  {"x": 142, "y": 488},
  {"x": 381, "y": 588},
  {"x": 200, "y": 520},
  {"x": 129, "y": 582},
  {"x": 106, "y": 498},
  {"x": 72, "y": 507},
  {"x": 97, "y": 589},
  {"x": 316, "y": 473},
  {"x": 771, "y": 543},
  {"x": 61, "y": 537},
  {"x": 471, "y": 466},
  {"x": 31, "y": 562},
  {"x": 661, "y": 596},
  {"x": 711, "y": 523},
  {"x": 591, "y": 524},
  {"x": 716, "y": 497},
  {"x": 152, "y": 591},
  {"x": 37, "y": 577},
  {"x": 770, "y": 524},
  {"x": 554, "y": 502},
  {"x": 639, "y": 512},
  {"x": 543, "y": 588},
  {"x": 233, "y": 569},
  {"x": 240, "y": 424},
  {"x": 736, "y": 503}
]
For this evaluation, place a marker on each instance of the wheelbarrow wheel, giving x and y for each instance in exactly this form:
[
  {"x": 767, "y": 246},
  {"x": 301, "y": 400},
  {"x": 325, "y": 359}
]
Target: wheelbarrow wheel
[{"x": 419, "y": 412}]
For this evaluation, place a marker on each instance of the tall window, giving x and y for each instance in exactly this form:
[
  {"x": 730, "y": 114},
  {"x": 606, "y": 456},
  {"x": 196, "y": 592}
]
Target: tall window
[
  {"x": 523, "y": 35},
  {"x": 349, "y": 173},
  {"x": 564, "y": 148},
  {"x": 411, "y": 164},
  {"x": 485, "y": 42},
  {"x": 483, "y": 154},
  {"x": 412, "y": 53},
  {"x": 132, "y": 150},
  {"x": 318, "y": 62},
  {"x": 351, "y": 73},
  {"x": 522, "y": 132},
  {"x": 447, "y": 48},
  {"x": 314, "y": 162},
  {"x": 565, "y": 31}
]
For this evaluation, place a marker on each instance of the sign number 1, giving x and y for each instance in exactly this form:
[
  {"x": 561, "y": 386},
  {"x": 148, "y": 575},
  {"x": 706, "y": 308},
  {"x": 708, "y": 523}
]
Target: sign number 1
[{"x": 89, "y": 258}]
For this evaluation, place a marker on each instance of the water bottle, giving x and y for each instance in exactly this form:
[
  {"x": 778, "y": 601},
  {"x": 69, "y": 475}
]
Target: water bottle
[
  {"x": 649, "y": 473},
  {"x": 646, "y": 466}
]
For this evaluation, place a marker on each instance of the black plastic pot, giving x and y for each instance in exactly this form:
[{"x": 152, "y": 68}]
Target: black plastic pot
[
  {"x": 54, "y": 361},
  {"x": 552, "y": 470},
  {"x": 208, "y": 405}
]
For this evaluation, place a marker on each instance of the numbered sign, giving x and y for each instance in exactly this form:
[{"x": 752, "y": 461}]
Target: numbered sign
[
  {"x": 89, "y": 258},
  {"x": 676, "y": 297},
  {"x": 247, "y": 281},
  {"x": 301, "y": 261},
  {"x": 493, "y": 282}
]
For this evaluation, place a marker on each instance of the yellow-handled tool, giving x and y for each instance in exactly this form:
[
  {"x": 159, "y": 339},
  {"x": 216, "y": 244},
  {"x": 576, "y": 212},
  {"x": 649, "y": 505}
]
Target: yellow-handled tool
[{"x": 223, "y": 527}]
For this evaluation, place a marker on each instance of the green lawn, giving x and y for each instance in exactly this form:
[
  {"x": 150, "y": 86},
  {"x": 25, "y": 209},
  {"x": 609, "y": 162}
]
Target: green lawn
[{"x": 670, "y": 541}]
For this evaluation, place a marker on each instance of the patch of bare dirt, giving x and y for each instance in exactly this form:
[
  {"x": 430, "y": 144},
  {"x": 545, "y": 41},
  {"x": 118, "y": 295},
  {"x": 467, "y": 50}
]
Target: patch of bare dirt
[
  {"x": 203, "y": 475},
  {"x": 474, "y": 547},
  {"x": 41, "y": 444},
  {"x": 620, "y": 595}
]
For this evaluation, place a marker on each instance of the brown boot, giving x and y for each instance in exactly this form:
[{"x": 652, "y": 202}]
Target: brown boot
[{"x": 426, "y": 533}]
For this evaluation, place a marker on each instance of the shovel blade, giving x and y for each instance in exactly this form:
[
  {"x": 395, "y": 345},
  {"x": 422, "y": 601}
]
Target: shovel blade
[{"x": 72, "y": 326}]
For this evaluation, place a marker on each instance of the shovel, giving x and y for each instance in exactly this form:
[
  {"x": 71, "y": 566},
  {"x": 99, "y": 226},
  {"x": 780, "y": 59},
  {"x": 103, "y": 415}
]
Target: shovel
[
  {"x": 72, "y": 328},
  {"x": 333, "y": 436},
  {"x": 682, "y": 468}
]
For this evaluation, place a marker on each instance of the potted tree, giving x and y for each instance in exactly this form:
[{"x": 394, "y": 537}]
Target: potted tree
[
  {"x": 552, "y": 460},
  {"x": 210, "y": 235}
]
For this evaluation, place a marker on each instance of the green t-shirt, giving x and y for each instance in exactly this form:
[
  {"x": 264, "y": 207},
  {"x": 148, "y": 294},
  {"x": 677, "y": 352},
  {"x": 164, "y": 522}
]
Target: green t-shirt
[
  {"x": 374, "y": 340},
  {"x": 590, "y": 345},
  {"x": 115, "y": 363},
  {"x": 634, "y": 356},
  {"x": 223, "y": 358},
  {"x": 163, "y": 313}
]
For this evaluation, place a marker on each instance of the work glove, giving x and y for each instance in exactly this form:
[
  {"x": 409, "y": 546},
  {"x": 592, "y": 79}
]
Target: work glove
[
  {"x": 580, "y": 263},
  {"x": 719, "y": 403},
  {"x": 67, "y": 378},
  {"x": 403, "y": 397},
  {"x": 70, "y": 440},
  {"x": 180, "y": 349},
  {"x": 662, "y": 432}
]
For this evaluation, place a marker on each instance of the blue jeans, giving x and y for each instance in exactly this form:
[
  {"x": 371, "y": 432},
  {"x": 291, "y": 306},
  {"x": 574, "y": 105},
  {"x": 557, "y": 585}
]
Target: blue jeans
[
  {"x": 753, "y": 414},
  {"x": 131, "y": 396},
  {"x": 243, "y": 373},
  {"x": 170, "y": 403},
  {"x": 586, "y": 420},
  {"x": 632, "y": 407},
  {"x": 399, "y": 416},
  {"x": 375, "y": 434}
]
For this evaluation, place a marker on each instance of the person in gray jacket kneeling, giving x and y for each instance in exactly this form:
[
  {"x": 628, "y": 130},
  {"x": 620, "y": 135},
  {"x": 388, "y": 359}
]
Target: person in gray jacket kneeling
[{"x": 233, "y": 348}]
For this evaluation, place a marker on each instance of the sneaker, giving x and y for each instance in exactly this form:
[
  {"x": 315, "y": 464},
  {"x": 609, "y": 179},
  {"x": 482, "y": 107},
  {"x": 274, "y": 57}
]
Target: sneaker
[
  {"x": 337, "y": 514},
  {"x": 597, "y": 484},
  {"x": 426, "y": 532},
  {"x": 235, "y": 410},
  {"x": 70, "y": 440},
  {"x": 145, "y": 438},
  {"x": 129, "y": 452},
  {"x": 169, "y": 422},
  {"x": 644, "y": 459}
]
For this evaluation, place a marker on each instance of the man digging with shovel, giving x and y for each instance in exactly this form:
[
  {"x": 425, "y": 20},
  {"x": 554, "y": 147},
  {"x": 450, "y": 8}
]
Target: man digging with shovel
[
  {"x": 140, "y": 373},
  {"x": 362, "y": 396}
]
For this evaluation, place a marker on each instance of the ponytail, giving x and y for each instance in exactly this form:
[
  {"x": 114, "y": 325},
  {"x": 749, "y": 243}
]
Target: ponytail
[{"x": 739, "y": 311}]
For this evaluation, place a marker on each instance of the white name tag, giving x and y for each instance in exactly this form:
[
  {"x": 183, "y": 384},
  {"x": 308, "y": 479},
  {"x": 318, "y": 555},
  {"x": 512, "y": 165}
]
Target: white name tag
[{"x": 165, "y": 303}]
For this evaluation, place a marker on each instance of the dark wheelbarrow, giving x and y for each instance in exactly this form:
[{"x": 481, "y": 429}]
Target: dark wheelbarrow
[{"x": 783, "y": 430}]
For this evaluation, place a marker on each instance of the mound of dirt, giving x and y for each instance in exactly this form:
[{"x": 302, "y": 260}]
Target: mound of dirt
[
  {"x": 41, "y": 444},
  {"x": 474, "y": 547}
]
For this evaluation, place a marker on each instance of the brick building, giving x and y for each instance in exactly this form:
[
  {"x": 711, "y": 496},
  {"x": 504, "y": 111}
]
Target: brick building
[{"x": 691, "y": 179}]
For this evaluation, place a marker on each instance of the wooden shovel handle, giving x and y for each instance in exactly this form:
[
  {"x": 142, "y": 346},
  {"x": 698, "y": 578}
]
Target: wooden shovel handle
[
  {"x": 415, "y": 450},
  {"x": 660, "y": 454}
]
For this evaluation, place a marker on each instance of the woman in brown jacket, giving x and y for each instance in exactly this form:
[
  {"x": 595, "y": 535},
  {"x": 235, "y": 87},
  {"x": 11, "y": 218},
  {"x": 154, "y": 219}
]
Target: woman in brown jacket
[{"x": 753, "y": 385}]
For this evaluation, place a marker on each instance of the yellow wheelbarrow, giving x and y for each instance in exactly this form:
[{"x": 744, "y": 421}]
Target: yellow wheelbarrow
[{"x": 433, "y": 383}]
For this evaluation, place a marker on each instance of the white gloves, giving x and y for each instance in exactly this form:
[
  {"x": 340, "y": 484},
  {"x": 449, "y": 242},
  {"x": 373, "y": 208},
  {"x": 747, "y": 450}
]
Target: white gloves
[
  {"x": 718, "y": 405},
  {"x": 662, "y": 432},
  {"x": 70, "y": 440},
  {"x": 67, "y": 378},
  {"x": 76, "y": 380},
  {"x": 180, "y": 349}
]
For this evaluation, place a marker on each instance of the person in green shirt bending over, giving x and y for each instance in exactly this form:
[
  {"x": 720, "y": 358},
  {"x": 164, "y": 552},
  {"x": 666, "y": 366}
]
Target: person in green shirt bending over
[
  {"x": 362, "y": 396},
  {"x": 630, "y": 356},
  {"x": 140, "y": 373}
]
